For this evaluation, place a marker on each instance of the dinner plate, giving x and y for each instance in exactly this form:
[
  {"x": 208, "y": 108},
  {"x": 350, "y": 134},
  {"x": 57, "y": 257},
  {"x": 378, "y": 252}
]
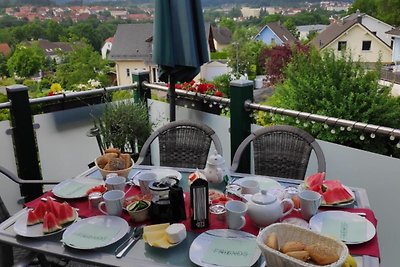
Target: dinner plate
[
  {"x": 264, "y": 182},
  {"x": 161, "y": 173},
  {"x": 76, "y": 187},
  {"x": 344, "y": 222},
  {"x": 22, "y": 229},
  {"x": 200, "y": 245},
  {"x": 95, "y": 232}
]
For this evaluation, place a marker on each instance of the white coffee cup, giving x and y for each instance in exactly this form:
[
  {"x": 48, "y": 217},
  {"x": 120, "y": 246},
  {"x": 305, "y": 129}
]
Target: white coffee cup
[
  {"x": 116, "y": 183},
  {"x": 309, "y": 203},
  {"x": 235, "y": 212},
  {"x": 145, "y": 179},
  {"x": 250, "y": 187},
  {"x": 113, "y": 201}
]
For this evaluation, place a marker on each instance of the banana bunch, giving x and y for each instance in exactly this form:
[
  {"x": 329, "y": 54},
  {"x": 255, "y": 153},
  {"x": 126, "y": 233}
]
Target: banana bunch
[{"x": 350, "y": 262}]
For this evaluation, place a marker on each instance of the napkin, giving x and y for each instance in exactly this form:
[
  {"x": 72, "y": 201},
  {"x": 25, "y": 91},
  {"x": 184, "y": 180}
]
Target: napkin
[
  {"x": 348, "y": 231},
  {"x": 228, "y": 252},
  {"x": 74, "y": 188},
  {"x": 91, "y": 236},
  {"x": 156, "y": 236}
]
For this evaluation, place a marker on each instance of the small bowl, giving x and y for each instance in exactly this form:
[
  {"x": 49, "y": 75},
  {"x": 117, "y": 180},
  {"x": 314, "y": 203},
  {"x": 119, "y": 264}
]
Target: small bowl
[
  {"x": 123, "y": 173},
  {"x": 139, "y": 215}
]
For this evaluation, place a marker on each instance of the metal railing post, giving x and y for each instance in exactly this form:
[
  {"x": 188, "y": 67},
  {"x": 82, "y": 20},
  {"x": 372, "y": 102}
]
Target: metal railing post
[
  {"x": 24, "y": 139},
  {"x": 241, "y": 90},
  {"x": 141, "y": 93}
]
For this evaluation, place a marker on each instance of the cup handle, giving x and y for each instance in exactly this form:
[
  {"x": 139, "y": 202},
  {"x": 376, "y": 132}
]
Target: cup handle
[
  {"x": 291, "y": 206},
  {"x": 101, "y": 204},
  {"x": 129, "y": 189},
  {"x": 243, "y": 222}
]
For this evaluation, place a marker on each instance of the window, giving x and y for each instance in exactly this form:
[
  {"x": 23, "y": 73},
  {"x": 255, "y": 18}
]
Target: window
[
  {"x": 128, "y": 72},
  {"x": 342, "y": 45},
  {"x": 366, "y": 45}
]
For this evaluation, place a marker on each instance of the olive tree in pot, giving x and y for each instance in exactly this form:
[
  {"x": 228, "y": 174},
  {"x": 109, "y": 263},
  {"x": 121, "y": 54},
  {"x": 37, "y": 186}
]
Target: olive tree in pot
[{"x": 124, "y": 125}]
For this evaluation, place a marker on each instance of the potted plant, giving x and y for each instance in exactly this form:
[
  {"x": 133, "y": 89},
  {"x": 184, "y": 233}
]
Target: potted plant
[{"x": 124, "y": 125}]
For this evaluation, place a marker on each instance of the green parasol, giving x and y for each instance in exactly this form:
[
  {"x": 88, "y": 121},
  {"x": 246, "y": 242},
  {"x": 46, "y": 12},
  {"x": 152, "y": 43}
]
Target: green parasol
[{"x": 179, "y": 43}]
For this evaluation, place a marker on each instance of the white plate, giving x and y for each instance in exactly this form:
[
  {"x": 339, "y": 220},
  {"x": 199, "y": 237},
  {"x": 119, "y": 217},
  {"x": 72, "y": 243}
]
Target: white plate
[
  {"x": 161, "y": 173},
  {"x": 22, "y": 229},
  {"x": 264, "y": 182},
  {"x": 75, "y": 188},
  {"x": 118, "y": 226},
  {"x": 200, "y": 244},
  {"x": 316, "y": 223}
]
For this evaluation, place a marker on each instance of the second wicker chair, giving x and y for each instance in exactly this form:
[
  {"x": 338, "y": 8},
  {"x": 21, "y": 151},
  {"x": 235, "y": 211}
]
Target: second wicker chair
[
  {"x": 184, "y": 144},
  {"x": 281, "y": 151}
]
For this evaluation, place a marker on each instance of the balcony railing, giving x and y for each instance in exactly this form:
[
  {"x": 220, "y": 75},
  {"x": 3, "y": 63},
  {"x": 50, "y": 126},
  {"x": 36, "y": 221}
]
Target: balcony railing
[{"x": 377, "y": 173}]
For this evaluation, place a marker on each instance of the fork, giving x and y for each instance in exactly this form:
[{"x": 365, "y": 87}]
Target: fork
[{"x": 121, "y": 250}]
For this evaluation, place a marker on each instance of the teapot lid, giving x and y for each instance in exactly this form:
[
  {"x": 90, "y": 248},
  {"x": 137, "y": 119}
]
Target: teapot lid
[
  {"x": 216, "y": 159},
  {"x": 263, "y": 198}
]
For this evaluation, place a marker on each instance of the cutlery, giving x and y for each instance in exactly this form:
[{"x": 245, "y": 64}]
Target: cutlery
[
  {"x": 123, "y": 248},
  {"x": 130, "y": 180}
]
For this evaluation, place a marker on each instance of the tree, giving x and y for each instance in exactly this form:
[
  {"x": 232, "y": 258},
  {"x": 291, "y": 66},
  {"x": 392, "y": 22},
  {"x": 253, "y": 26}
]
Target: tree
[
  {"x": 81, "y": 65},
  {"x": 290, "y": 26},
  {"x": 274, "y": 59},
  {"x": 338, "y": 87},
  {"x": 26, "y": 61},
  {"x": 3, "y": 65},
  {"x": 385, "y": 10}
]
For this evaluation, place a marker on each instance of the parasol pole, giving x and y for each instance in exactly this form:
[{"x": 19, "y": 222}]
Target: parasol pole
[{"x": 172, "y": 97}]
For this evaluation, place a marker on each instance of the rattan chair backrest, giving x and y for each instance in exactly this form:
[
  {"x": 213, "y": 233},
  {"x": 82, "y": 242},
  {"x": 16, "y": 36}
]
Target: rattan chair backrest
[
  {"x": 281, "y": 151},
  {"x": 184, "y": 144}
]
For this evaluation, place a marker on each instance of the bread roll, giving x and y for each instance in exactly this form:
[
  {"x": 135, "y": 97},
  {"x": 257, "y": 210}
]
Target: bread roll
[
  {"x": 112, "y": 150},
  {"x": 272, "y": 241},
  {"x": 322, "y": 254},
  {"x": 292, "y": 246},
  {"x": 127, "y": 159},
  {"x": 116, "y": 164}
]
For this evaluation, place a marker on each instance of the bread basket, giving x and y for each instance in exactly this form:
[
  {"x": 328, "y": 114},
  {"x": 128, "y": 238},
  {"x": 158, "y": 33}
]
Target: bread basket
[
  {"x": 288, "y": 232},
  {"x": 123, "y": 173}
]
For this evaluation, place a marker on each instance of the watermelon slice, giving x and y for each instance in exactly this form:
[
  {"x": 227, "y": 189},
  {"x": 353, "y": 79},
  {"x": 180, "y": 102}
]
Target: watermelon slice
[
  {"x": 53, "y": 206},
  {"x": 32, "y": 218},
  {"x": 50, "y": 223},
  {"x": 66, "y": 213},
  {"x": 334, "y": 193},
  {"x": 40, "y": 211},
  {"x": 314, "y": 182}
]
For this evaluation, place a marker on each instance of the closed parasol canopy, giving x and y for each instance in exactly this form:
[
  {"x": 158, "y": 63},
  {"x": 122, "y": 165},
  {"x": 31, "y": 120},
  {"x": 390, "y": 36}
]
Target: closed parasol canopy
[{"x": 179, "y": 43}]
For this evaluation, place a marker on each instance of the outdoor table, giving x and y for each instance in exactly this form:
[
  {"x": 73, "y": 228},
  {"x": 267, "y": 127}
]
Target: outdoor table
[{"x": 141, "y": 254}]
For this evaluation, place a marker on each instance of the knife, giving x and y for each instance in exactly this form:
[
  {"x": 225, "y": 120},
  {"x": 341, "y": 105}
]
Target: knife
[{"x": 123, "y": 248}]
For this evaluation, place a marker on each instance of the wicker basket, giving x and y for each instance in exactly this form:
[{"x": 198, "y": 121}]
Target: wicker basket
[{"x": 288, "y": 232}]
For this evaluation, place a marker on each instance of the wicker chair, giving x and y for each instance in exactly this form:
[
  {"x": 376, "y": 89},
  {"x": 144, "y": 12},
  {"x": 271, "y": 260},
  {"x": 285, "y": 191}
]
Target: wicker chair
[
  {"x": 184, "y": 144},
  {"x": 281, "y": 151}
]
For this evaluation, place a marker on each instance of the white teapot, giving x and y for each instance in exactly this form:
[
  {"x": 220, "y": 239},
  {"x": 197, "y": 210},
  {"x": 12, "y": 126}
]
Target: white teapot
[
  {"x": 265, "y": 209},
  {"x": 215, "y": 169}
]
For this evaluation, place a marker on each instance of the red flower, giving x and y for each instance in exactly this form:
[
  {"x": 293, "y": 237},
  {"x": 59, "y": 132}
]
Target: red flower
[
  {"x": 218, "y": 93},
  {"x": 50, "y": 93}
]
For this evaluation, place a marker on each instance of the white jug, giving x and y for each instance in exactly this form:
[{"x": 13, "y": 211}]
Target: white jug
[{"x": 215, "y": 169}]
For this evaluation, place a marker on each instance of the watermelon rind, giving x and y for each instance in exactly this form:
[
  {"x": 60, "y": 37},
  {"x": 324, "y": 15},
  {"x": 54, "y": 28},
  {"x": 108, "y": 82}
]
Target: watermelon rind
[
  {"x": 32, "y": 219},
  {"x": 50, "y": 223},
  {"x": 66, "y": 213},
  {"x": 40, "y": 211},
  {"x": 334, "y": 193}
]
